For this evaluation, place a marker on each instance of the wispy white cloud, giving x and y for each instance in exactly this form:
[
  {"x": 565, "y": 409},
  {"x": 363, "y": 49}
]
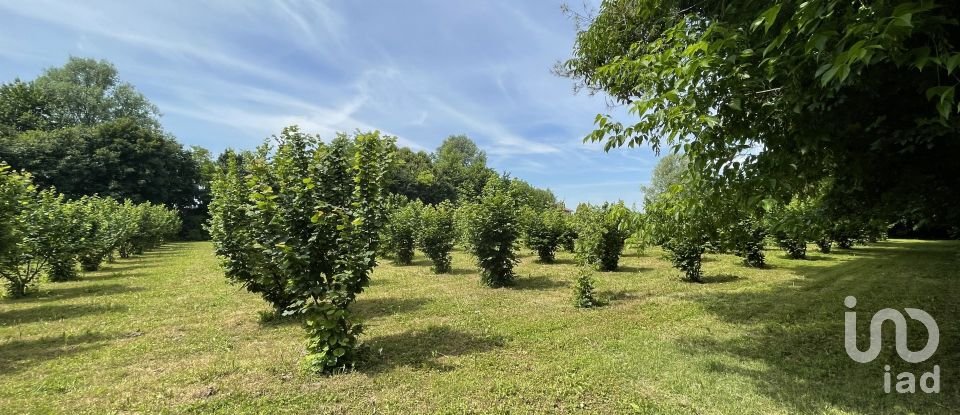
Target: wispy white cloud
[{"x": 226, "y": 70}]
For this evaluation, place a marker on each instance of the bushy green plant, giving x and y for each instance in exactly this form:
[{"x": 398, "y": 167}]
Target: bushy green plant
[
  {"x": 601, "y": 234},
  {"x": 311, "y": 213},
  {"x": 568, "y": 242},
  {"x": 583, "y": 292},
  {"x": 235, "y": 240},
  {"x": 746, "y": 237},
  {"x": 155, "y": 225},
  {"x": 684, "y": 221},
  {"x": 400, "y": 231},
  {"x": 65, "y": 220},
  {"x": 793, "y": 225},
  {"x": 438, "y": 234},
  {"x": 491, "y": 228},
  {"x": 544, "y": 230},
  {"x": 20, "y": 264},
  {"x": 111, "y": 225},
  {"x": 824, "y": 244},
  {"x": 686, "y": 254},
  {"x": 639, "y": 238}
]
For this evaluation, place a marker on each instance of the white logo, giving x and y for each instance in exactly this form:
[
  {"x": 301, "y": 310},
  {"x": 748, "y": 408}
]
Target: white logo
[{"x": 906, "y": 381}]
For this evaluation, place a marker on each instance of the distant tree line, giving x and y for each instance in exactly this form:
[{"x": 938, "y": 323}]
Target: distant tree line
[{"x": 82, "y": 130}]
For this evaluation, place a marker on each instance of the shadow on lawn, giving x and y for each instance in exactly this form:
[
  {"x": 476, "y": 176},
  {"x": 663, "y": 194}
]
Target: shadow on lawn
[
  {"x": 537, "y": 283},
  {"x": 52, "y": 312},
  {"x": 424, "y": 348},
  {"x": 795, "y": 332},
  {"x": 367, "y": 308},
  {"x": 629, "y": 269},
  {"x": 19, "y": 355},
  {"x": 57, "y": 293}
]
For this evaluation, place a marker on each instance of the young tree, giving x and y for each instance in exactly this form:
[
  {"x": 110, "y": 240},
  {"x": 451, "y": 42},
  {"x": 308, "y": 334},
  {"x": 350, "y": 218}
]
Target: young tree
[
  {"x": 583, "y": 295},
  {"x": 19, "y": 264},
  {"x": 601, "y": 234},
  {"x": 234, "y": 237},
  {"x": 312, "y": 212},
  {"x": 400, "y": 231},
  {"x": 745, "y": 237},
  {"x": 110, "y": 226},
  {"x": 437, "y": 235},
  {"x": 793, "y": 226},
  {"x": 544, "y": 230},
  {"x": 68, "y": 228},
  {"x": 491, "y": 227}
]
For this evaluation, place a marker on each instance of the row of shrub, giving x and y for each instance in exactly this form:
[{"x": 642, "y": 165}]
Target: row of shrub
[
  {"x": 302, "y": 221},
  {"x": 497, "y": 223},
  {"x": 42, "y": 232},
  {"x": 687, "y": 226}
]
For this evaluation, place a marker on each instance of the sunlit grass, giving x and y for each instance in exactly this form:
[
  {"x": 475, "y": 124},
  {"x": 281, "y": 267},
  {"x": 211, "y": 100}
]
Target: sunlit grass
[{"x": 166, "y": 333}]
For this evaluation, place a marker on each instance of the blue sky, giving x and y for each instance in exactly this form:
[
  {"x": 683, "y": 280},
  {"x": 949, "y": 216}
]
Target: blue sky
[{"x": 230, "y": 73}]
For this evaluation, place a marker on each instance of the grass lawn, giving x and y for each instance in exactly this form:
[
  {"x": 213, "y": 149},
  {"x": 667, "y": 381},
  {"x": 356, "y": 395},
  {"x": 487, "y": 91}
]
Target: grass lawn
[{"x": 165, "y": 332}]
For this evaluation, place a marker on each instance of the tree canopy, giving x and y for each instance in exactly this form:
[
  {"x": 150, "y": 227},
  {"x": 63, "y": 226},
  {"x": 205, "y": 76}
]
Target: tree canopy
[{"x": 773, "y": 97}]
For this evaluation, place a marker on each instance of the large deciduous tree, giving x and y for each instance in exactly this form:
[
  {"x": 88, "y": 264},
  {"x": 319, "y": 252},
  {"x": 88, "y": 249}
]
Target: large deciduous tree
[{"x": 773, "y": 97}]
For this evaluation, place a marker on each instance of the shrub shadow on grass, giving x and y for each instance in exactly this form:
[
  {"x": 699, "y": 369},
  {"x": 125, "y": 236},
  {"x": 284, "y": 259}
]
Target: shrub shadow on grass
[
  {"x": 537, "y": 283},
  {"x": 272, "y": 319},
  {"x": 112, "y": 276},
  {"x": 19, "y": 355},
  {"x": 792, "y": 349},
  {"x": 629, "y": 269},
  {"x": 424, "y": 348},
  {"x": 420, "y": 262},
  {"x": 367, "y": 308},
  {"x": 609, "y": 297},
  {"x": 721, "y": 278},
  {"x": 460, "y": 271},
  {"x": 55, "y": 312},
  {"x": 57, "y": 293}
]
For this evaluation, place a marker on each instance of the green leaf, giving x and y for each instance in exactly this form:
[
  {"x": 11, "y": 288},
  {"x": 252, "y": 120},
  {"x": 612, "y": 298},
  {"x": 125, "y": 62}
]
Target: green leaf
[{"x": 767, "y": 18}]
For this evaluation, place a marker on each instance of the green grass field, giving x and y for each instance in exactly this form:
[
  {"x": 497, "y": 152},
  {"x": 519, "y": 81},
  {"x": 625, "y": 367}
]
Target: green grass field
[{"x": 165, "y": 332}]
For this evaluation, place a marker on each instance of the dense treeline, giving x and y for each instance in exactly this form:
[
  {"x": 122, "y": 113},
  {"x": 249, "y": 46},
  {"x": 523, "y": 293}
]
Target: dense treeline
[
  {"x": 80, "y": 129},
  {"x": 43, "y": 232}
]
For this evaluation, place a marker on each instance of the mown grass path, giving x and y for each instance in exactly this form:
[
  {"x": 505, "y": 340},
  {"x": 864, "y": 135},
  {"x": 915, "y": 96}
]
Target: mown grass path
[{"x": 165, "y": 333}]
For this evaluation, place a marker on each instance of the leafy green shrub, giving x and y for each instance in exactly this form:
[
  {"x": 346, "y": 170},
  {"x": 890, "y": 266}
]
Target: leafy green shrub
[
  {"x": 639, "y": 238},
  {"x": 155, "y": 225},
  {"x": 793, "y": 225},
  {"x": 491, "y": 228},
  {"x": 824, "y": 244},
  {"x": 236, "y": 241},
  {"x": 400, "y": 231},
  {"x": 684, "y": 222},
  {"x": 65, "y": 220},
  {"x": 569, "y": 239},
  {"x": 21, "y": 232},
  {"x": 686, "y": 254},
  {"x": 601, "y": 234},
  {"x": 544, "y": 230},
  {"x": 583, "y": 295},
  {"x": 437, "y": 235},
  {"x": 111, "y": 225},
  {"x": 746, "y": 237},
  {"x": 311, "y": 213}
]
